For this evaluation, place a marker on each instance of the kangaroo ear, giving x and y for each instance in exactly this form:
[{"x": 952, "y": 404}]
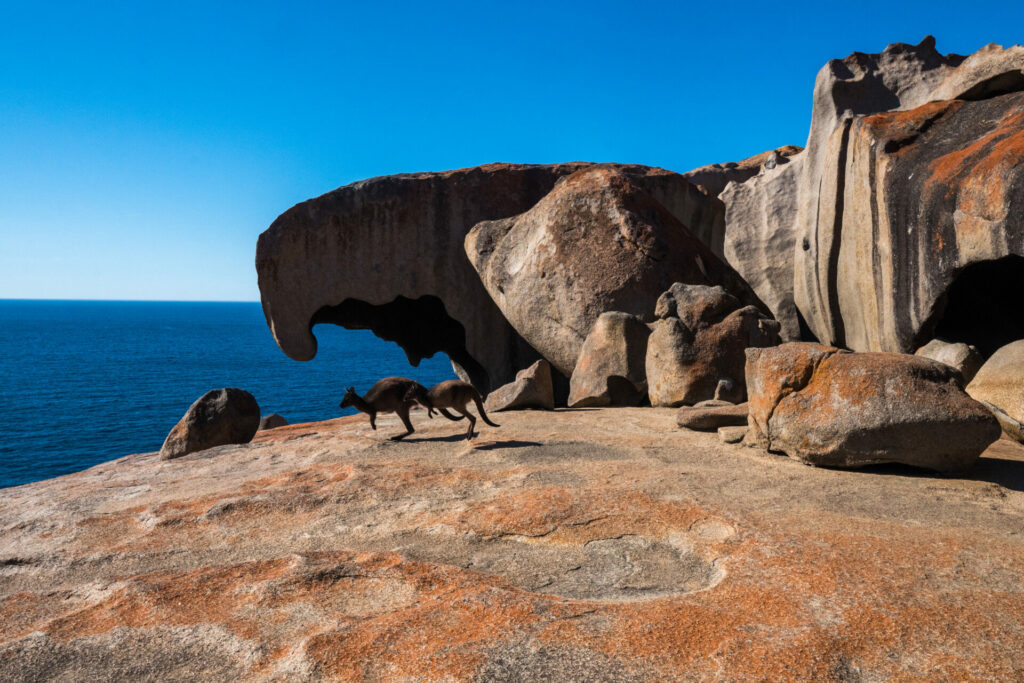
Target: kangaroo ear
[{"x": 352, "y": 389}]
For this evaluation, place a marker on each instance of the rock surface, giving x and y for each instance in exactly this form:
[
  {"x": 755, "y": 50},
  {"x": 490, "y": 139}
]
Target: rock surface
[
  {"x": 386, "y": 254},
  {"x": 600, "y": 241},
  {"x": 800, "y": 233},
  {"x": 610, "y": 368},
  {"x": 697, "y": 346},
  {"x": 272, "y": 421},
  {"x": 734, "y": 434},
  {"x": 532, "y": 388},
  {"x": 584, "y": 545},
  {"x": 709, "y": 416},
  {"x": 714, "y": 177},
  {"x": 828, "y": 407},
  {"x": 1000, "y": 382},
  {"x": 963, "y": 357},
  {"x": 218, "y": 417}
]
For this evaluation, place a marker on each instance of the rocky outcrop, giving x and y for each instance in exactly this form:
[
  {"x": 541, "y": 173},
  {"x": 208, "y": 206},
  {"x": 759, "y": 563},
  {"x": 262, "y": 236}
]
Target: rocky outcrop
[
  {"x": 610, "y": 368},
  {"x": 600, "y": 241},
  {"x": 592, "y": 545},
  {"x": 802, "y": 233},
  {"x": 714, "y": 177},
  {"x": 386, "y": 254},
  {"x": 709, "y": 416},
  {"x": 272, "y": 421},
  {"x": 218, "y": 417},
  {"x": 697, "y": 346},
  {"x": 828, "y": 407},
  {"x": 964, "y": 357},
  {"x": 532, "y": 388},
  {"x": 1000, "y": 383}
]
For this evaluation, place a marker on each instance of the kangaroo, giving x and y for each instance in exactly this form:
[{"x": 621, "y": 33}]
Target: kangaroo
[
  {"x": 452, "y": 394},
  {"x": 390, "y": 395}
]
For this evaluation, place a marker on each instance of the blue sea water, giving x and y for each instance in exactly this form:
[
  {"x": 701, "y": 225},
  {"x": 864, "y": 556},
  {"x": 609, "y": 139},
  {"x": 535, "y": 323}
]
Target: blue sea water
[{"x": 82, "y": 382}]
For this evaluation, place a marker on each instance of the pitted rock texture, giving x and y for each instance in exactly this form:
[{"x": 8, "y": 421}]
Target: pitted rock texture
[
  {"x": 696, "y": 351},
  {"x": 824, "y": 406},
  {"x": 964, "y": 357},
  {"x": 582, "y": 545},
  {"x": 386, "y": 254},
  {"x": 218, "y": 417},
  {"x": 1000, "y": 383},
  {"x": 600, "y": 241},
  {"x": 532, "y": 388},
  {"x": 610, "y": 369}
]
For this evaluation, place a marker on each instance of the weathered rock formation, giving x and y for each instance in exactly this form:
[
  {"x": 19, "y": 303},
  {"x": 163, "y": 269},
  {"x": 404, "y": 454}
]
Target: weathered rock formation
[
  {"x": 697, "y": 346},
  {"x": 386, "y": 254},
  {"x": 593, "y": 545},
  {"x": 1000, "y": 383},
  {"x": 855, "y": 241},
  {"x": 532, "y": 388},
  {"x": 610, "y": 368},
  {"x": 828, "y": 407},
  {"x": 709, "y": 416},
  {"x": 600, "y": 241},
  {"x": 964, "y": 357},
  {"x": 218, "y": 417},
  {"x": 714, "y": 177}
]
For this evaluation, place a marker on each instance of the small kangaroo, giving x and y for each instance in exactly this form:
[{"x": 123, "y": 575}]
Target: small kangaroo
[
  {"x": 452, "y": 394},
  {"x": 389, "y": 395}
]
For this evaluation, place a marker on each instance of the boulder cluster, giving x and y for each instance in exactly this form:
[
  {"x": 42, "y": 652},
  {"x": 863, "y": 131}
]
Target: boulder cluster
[{"x": 793, "y": 288}]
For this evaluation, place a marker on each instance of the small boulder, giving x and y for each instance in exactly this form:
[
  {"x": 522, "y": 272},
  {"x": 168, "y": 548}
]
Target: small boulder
[
  {"x": 610, "y": 368},
  {"x": 696, "y": 350},
  {"x": 1000, "y": 382},
  {"x": 272, "y": 421},
  {"x": 732, "y": 434},
  {"x": 708, "y": 416},
  {"x": 824, "y": 406},
  {"x": 532, "y": 388},
  {"x": 964, "y": 357},
  {"x": 218, "y": 417}
]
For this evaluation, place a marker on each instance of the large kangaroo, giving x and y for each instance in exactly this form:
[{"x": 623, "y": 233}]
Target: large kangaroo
[
  {"x": 390, "y": 395},
  {"x": 456, "y": 395}
]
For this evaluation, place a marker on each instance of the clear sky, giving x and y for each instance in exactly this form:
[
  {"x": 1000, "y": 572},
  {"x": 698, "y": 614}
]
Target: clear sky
[{"x": 144, "y": 146}]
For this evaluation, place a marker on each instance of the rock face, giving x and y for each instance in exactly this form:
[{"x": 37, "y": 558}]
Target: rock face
[
  {"x": 698, "y": 344},
  {"x": 600, "y": 241},
  {"x": 963, "y": 357},
  {"x": 599, "y": 545},
  {"x": 714, "y": 177},
  {"x": 386, "y": 254},
  {"x": 828, "y": 407},
  {"x": 610, "y": 368},
  {"x": 803, "y": 233},
  {"x": 532, "y": 388},
  {"x": 709, "y": 416},
  {"x": 272, "y": 421},
  {"x": 1000, "y": 382},
  {"x": 218, "y": 417}
]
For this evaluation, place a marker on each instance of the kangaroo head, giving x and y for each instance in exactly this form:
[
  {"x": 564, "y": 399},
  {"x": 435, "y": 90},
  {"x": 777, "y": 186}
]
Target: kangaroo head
[{"x": 349, "y": 398}]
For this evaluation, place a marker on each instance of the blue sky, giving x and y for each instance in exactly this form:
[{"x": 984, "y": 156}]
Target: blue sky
[{"x": 144, "y": 146}]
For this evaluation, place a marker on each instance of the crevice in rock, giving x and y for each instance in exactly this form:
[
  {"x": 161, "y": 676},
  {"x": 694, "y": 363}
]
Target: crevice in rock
[
  {"x": 422, "y": 327},
  {"x": 981, "y": 307},
  {"x": 835, "y": 317},
  {"x": 1000, "y": 84}
]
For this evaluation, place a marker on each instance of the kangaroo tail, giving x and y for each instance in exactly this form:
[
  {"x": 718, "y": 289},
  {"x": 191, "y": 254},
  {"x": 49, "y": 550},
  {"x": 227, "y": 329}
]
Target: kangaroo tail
[
  {"x": 480, "y": 409},
  {"x": 450, "y": 416}
]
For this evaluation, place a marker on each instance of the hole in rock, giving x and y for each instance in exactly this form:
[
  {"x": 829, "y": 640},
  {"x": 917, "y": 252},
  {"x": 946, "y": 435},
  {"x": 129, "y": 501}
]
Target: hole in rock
[
  {"x": 981, "y": 306},
  {"x": 422, "y": 327}
]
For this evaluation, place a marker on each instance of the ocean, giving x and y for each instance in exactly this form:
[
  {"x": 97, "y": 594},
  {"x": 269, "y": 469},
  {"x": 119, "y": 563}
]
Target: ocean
[{"x": 84, "y": 382}]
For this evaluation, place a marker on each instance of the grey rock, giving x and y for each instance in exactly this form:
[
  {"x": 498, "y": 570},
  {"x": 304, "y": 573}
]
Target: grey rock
[
  {"x": 964, "y": 357},
  {"x": 272, "y": 421},
  {"x": 532, "y": 388},
  {"x": 218, "y": 417},
  {"x": 610, "y": 368},
  {"x": 708, "y": 416},
  {"x": 732, "y": 434},
  {"x": 1000, "y": 383}
]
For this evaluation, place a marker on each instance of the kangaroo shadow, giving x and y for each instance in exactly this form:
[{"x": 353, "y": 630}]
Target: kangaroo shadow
[{"x": 497, "y": 445}]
